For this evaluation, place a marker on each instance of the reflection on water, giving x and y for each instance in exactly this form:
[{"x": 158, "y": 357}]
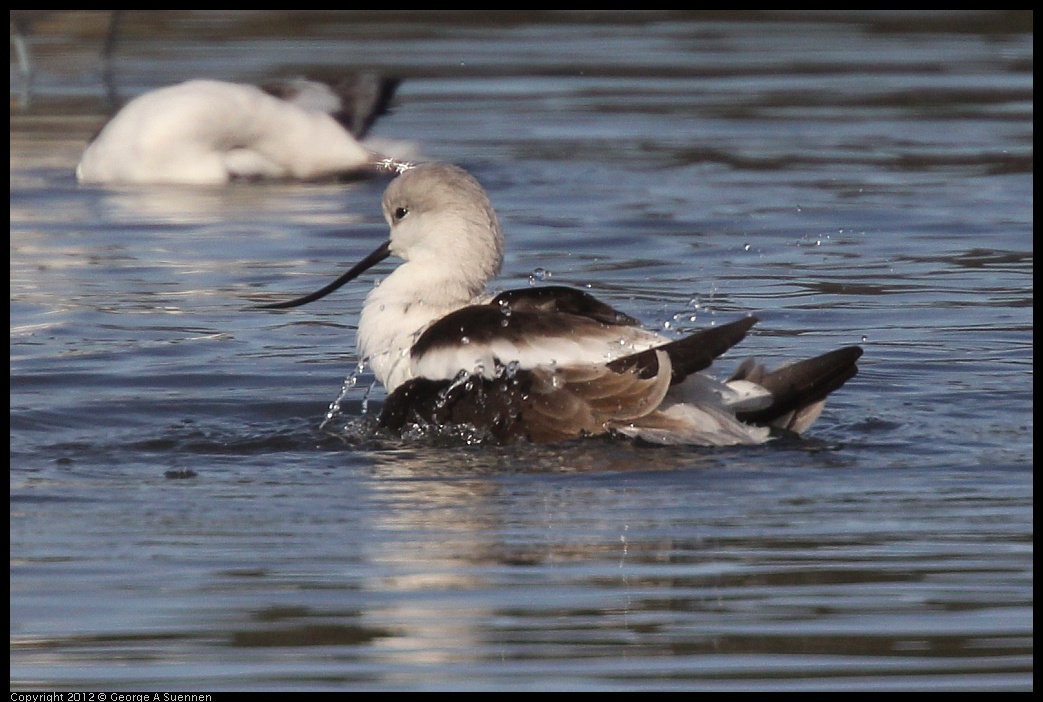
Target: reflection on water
[{"x": 179, "y": 520}]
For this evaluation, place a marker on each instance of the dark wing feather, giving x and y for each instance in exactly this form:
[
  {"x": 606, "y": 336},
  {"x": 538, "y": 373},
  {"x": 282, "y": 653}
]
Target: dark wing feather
[
  {"x": 363, "y": 97},
  {"x": 520, "y": 316},
  {"x": 697, "y": 351},
  {"x": 798, "y": 385},
  {"x": 562, "y": 299}
]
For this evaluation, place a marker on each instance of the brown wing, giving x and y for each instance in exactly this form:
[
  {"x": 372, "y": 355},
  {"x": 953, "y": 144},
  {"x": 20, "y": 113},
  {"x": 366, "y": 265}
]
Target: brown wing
[{"x": 539, "y": 405}]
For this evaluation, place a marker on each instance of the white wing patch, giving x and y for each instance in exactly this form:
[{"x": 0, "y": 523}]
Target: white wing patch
[{"x": 531, "y": 352}]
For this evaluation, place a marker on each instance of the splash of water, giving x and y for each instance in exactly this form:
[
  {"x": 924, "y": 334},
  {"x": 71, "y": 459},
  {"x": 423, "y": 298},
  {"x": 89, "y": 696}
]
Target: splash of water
[
  {"x": 335, "y": 413},
  {"x": 391, "y": 164}
]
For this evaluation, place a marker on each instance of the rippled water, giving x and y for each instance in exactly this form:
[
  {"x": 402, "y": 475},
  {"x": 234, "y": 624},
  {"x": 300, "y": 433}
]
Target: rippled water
[{"x": 179, "y": 521}]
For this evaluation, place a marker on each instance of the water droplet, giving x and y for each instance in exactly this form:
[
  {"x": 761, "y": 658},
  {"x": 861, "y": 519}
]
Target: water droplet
[
  {"x": 365, "y": 397},
  {"x": 538, "y": 274},
  {"x": 747, "y": 247}
]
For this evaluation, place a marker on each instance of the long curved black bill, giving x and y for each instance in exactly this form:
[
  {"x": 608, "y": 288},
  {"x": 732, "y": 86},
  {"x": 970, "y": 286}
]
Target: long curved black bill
[{"x": 382, "y": 252}]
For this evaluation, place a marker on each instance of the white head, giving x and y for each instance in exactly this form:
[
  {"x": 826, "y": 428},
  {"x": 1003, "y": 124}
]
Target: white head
[
  {"x": 445, "y": 229},
  {"x": 441, "y": 218}
]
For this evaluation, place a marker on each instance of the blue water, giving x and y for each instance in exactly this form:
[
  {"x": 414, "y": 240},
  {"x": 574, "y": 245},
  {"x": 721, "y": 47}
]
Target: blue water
[{"x": 179, "y": 521}]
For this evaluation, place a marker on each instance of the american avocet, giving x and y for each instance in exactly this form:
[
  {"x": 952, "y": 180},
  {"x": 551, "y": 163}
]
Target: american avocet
[
  {"x": 211, "y": 132},
  {"x": 548, "y": 363}
]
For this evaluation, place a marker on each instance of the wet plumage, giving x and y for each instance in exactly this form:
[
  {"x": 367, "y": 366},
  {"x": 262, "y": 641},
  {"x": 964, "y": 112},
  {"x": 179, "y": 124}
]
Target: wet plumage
[{"x": 548, "y": 363}]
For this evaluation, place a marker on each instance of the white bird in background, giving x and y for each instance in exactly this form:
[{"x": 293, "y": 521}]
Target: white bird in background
[
  {"x": 212, "y": 132},
  {"x": 547, "y": 363},
  {"x": 208, "y": 132}
]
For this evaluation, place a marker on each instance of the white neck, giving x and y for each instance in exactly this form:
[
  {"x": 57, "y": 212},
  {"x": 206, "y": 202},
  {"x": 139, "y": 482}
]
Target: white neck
[{"x": 400, "y": 308}]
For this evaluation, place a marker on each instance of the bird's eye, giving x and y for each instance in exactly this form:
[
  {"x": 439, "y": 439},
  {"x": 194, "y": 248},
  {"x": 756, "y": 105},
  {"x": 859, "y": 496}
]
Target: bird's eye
[{"x": 401, "y": 212}]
